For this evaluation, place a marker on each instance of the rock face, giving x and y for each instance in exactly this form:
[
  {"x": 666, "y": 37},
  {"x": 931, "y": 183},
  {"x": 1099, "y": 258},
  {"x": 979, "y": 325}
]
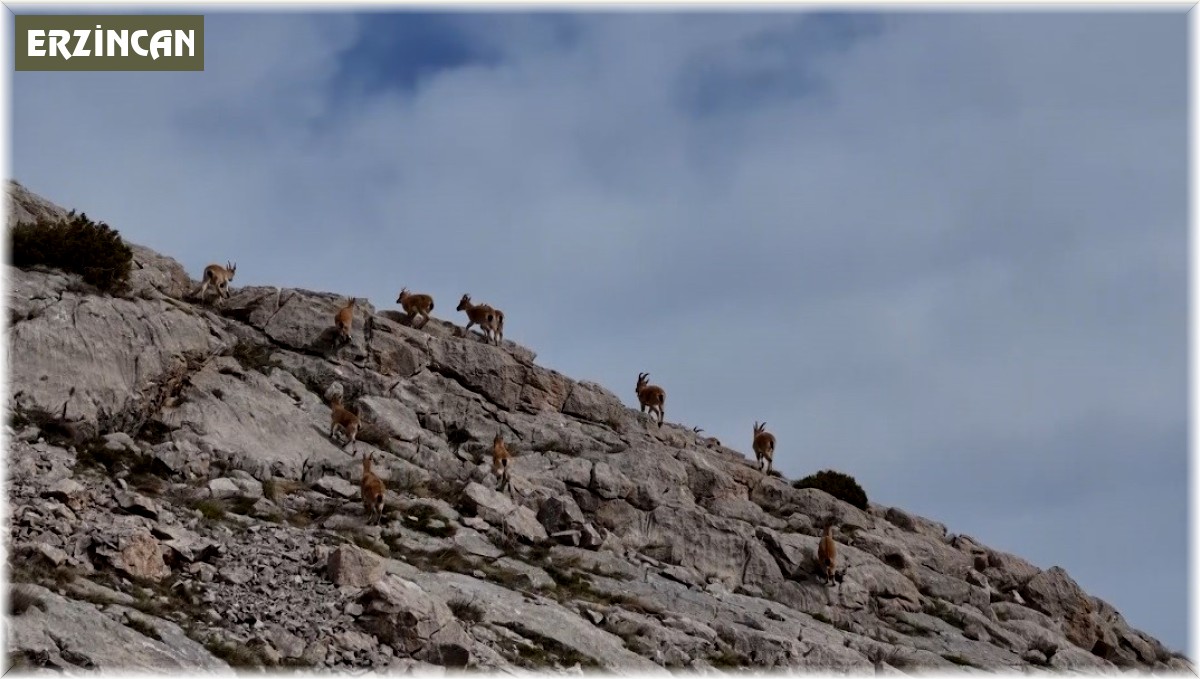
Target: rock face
[{"x": 190, "y": 510}]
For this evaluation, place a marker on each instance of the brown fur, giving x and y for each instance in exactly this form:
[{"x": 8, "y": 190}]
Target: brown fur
[
  {"x": 346, "y": 421},
  {"x": 219, "y": 277},
  {"x": 372, "y": 491},
  {"x": 415, "y": 305},
  {"x": 345, "y": 319},
  {"x": 651, "y": 396},
  {"x": 764, "y": 445},
  {"x": 498, "y": 329},
  {"x": 827, "y": 554},
  {"x": 489, "y": 320},
  {"x": 500, "y": 460}
]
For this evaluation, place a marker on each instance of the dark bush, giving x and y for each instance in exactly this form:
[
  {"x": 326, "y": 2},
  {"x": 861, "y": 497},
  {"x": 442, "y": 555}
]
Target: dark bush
[
  {"x": 254, "y": 356},
  {"x": 78, "y": 245},
  {"x": 842, "y": 486}
]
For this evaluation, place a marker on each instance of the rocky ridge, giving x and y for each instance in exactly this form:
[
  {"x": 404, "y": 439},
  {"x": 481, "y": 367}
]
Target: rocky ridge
[{"x": 176, "y": 502}]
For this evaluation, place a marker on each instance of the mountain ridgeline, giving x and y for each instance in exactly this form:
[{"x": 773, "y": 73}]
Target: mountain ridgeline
[{"x": 178, "y": 500}]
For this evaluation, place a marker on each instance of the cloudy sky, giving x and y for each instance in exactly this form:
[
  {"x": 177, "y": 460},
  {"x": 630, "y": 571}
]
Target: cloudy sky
[{"x": 944, "y": 253}]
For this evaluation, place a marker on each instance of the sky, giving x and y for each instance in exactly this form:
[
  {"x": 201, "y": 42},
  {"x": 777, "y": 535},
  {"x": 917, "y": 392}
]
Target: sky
[{"x": 942, "y": 252}]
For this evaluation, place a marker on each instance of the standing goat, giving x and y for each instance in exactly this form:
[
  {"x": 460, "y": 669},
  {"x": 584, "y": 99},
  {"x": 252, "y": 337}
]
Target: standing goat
[
  {"x": 490, "y": 320},
  {"x": 651, "y": 396},
  {"x": 344, "y": 319},
  {"x": 414, "y": 305},
  {"x": 827, "y": 554},
  {"x": 343, "y": 419},
  {"x": 764, "y": 446},
  {"x": 372, "y": 491},
  {"x": 500, "y": 459},
  {"x": 219, "y": 277}
]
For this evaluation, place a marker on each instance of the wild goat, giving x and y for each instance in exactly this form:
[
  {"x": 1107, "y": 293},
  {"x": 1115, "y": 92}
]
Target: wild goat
[
  {"x": 344, "y": 420},
  {"x": 764, "y": 445},
  {"x": 414, "y": 305},
  {"x": 344, "y": 319},
  {"x": 651, "y": 396},
  {"x": 372, "y": 491},
  {"x": 709, "y": 441},
  {"x": 827, "y": 554},
  {"x": 219, "y": 277},
  {"x": 500, "y": 460},
  {"x": 490, "y": 320}
]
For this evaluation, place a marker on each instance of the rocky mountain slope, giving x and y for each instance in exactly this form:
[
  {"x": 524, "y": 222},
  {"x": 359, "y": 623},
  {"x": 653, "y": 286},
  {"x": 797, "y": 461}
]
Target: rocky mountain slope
[{"x": 176, "y": 502}]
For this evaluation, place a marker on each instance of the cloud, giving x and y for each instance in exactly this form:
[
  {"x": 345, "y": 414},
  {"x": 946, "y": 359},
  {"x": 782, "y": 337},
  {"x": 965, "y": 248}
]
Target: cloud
[{"x": 941, "y": 252}]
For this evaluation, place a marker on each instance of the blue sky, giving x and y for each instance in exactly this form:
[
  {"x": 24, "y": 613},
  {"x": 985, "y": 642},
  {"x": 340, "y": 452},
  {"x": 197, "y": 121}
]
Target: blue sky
[{"x": 944, "y": 253}]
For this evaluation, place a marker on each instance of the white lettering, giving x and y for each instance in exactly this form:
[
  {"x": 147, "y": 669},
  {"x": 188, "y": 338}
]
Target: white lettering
[
  {"x": 37, "y": 38},
  {"x": 185, "y": 38},
  {"x": 137, "y": 46},
  {"x": 160, "y": 43},
  {"x": 99, "y": 41},
  {"x": 118, "y": 39},
  {"x": 58, "y": 42},
  {"x": 80, "y": 47}
]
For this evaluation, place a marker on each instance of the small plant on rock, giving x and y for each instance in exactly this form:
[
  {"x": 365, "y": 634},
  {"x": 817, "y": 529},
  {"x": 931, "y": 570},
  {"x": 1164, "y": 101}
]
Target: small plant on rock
[
  {"x": 78, "y": 245},
  {"x": 21, "y": 600},
  {"x": 254, "y": 356},
  {"x": 466, "y": 611},
  {"x": 842, "y": 486}
]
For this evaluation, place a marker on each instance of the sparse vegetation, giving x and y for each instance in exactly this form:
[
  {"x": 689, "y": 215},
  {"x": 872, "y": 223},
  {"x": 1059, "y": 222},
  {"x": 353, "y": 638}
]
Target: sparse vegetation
[
  {"x": 569, "y": 579},
  {"x": 574, "y": 585},
  {"x": 217, "y": 510},
  {"x": 426, "y": 519},
  {"x": 28, "y": 566},
  {"x": 20, "y": 600},
  {"x": 466, "y": 611},
  {"x": 543, "y": 652},
  {"x": 94, "y": 454},
  {"x": 235, "y": 653},
  {"x": 842, "y": 486},
  {"x": 943, "y": 611},
  {"x": 727, "y": 659},
  {"x": 142, "y": 627},
  {"x": 890, "y": 656},
  {"x": 271, "y": 489},
  {"x": 441, "y": 488},
  {"x": 55, "y": 427},
  {"x": 448, "y": 559},
  {"x": 77, "y": 245},
  {"x": 18, "y": 661},
  {"x": 374, "y": 435},
  {"x": 367, "y": 542},
  {"x": 958, "y": 660},
  {"x": 254, "y": 356}
]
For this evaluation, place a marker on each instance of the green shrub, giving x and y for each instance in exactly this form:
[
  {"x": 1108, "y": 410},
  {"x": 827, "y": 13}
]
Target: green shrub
[
  {"x": 842, "y": 486},
  {"x": 76, "y": 244}
]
